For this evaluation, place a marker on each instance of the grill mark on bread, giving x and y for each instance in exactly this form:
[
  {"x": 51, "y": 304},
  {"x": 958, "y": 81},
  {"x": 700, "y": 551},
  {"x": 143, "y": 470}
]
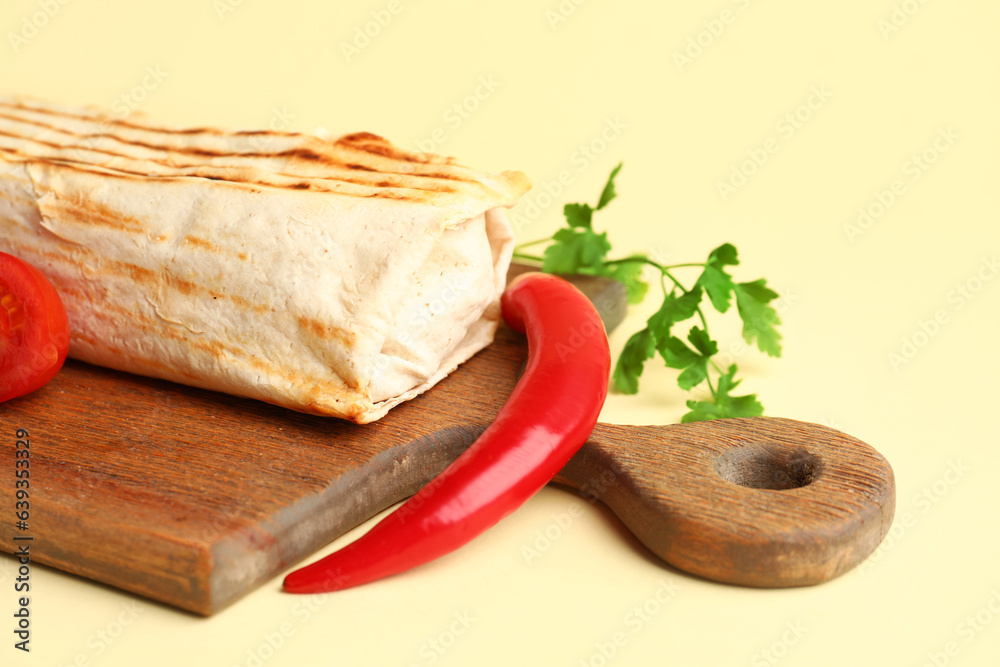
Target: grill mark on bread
[
  {"x": 99, "y": 117},
  {"x": 201, "y": 243},
  {"x": 364, "y": 142},
  {"x": 90, "y": 212},
  {"x": 216, "y": 349},
  {"x": 145, "y": 276},
  {"x": 389, "y": 152},
  {"x": 333, "y": 390},
  {"x": 200, "y": 171},
  {"x": 345, "y": 337},
  {"x": 183, "y": 150},
  {"x": 160, "y": 367},
  {"x": 411, "y": 195},
  {"x": 328, "y": 390},
  {"x": 376, "y": 145},
  {"x": 141, "y": 274},
  {"x": 304, "y": 154}
]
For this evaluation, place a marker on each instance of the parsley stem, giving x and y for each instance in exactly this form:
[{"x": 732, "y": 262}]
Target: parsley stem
[
  {"x": 708, "y": 380},
  {"x": 681, "y": 266},
  {"x": 646, "y": 260},
  {"x": 704, "y": 323},
  {"x": 531, "y": 243},
  {"x": 701, "y": 315},
  {"x": 522, "y": 255},
  {"x": 676, "y": 282}
]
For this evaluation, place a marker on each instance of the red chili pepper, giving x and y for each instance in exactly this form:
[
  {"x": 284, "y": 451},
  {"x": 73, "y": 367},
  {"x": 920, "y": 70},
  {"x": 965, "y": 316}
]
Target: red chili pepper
[
  {"x": 34, "y": 332},
  {"x": 547, "y": 418}
]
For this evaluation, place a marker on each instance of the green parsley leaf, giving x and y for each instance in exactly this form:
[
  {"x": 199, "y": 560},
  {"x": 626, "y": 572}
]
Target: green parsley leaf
[
  {"x": 691, "y": 376},
  {"x": 717, "y": 283},
  {"x": 637, "y": 350},
  {"x": 576, "y": 250},
  {"x": 578, "y": 215},
  {"x": 699, "y": 338},
  {"x": 609, "y": 189},
  {"x": 675, "y": 353},
  {"x": 630, "y": 274},
  {"x": 724, "y": 255},
  {"x": 674, "y": 309},
  {"x": 725, "y": 405},
  {"x": 695, "y": 363},
  {"x": 703, "y": 411},
  {"x": 759, "y": 319}
]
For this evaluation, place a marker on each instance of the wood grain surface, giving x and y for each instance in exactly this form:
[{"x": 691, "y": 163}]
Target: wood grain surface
[{"x": 195, "y": 498}]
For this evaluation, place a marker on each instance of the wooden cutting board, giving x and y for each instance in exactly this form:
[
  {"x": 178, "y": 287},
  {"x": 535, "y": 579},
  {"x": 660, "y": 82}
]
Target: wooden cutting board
[{"x": 195, "y": 498}]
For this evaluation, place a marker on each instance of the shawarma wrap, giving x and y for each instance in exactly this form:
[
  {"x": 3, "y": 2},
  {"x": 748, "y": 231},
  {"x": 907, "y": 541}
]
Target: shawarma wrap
[{"x": 331, "y": 277}]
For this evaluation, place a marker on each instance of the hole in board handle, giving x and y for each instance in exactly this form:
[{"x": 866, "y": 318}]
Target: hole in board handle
[{"x": 761, "y": 467}]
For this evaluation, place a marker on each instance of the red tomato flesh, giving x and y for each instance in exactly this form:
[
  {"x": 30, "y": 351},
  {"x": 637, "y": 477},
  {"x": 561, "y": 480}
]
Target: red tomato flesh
[{"x": 34, "y": 331}]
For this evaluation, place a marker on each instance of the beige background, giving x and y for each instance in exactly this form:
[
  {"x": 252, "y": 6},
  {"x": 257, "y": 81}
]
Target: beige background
[{"x": 882, "y": 96}]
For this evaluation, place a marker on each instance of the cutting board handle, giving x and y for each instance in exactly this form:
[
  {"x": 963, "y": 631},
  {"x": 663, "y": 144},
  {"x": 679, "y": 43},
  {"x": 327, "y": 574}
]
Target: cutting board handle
[{"x": 759, "y": 502}]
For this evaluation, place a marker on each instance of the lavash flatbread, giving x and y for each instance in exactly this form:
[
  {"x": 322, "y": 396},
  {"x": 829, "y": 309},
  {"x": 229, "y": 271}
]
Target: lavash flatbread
[{"x": 331, "y": 277}]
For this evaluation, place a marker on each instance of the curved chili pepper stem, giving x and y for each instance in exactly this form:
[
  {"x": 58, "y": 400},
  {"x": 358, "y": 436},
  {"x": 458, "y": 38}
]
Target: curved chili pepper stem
[{"x": 547, "y": 418}]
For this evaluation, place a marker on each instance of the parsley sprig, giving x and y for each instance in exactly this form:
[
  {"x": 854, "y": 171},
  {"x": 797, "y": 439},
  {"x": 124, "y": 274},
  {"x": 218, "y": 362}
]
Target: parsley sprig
[{"x": 579, "y": 248}]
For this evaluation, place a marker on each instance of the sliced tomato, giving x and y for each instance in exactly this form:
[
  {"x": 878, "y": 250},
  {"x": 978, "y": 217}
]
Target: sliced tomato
[{"x": 34, "y": 331}]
